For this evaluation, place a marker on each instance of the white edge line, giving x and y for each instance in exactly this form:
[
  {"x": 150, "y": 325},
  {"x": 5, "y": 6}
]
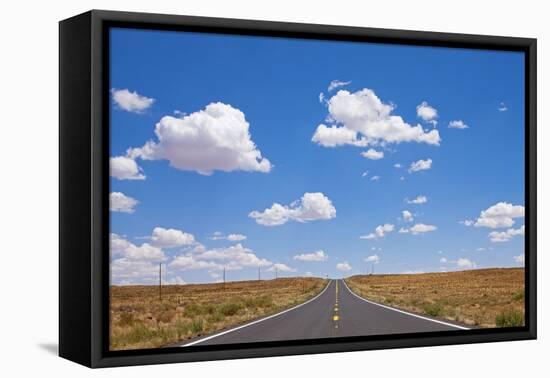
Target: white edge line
[
  {"x": 404, "y": 312},
  {"x": 256, "y": 321}
]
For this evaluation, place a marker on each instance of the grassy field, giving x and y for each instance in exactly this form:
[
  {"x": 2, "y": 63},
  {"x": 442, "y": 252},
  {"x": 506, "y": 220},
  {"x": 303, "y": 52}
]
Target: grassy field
[
  {"x": 139, "y": 319},
  {"x": 482, "y": 297}
]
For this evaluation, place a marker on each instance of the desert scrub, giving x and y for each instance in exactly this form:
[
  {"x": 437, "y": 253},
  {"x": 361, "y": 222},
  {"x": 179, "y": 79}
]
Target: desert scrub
[
  {"x": 519, "y": 296},
  {"x": 230, "y": 308},
  {"x": 474, "y": 297},
  {"x": 196, "y": 326},
  {"x": 140, "y": 320},
  {"x": 261, "y": 301},
  {"x": 126, "y": 319},
  {"x": 433, "y": 309},
  {"x": 194, "y": 309},
  {"x": 510, "y": 318}
]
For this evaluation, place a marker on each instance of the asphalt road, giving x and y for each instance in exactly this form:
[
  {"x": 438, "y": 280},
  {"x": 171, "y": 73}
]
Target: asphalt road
[{"x": 335, "y": 312}]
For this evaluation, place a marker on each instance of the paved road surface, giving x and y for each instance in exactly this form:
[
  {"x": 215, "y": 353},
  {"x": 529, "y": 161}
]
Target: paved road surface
[{"x": 335, "y": 312}]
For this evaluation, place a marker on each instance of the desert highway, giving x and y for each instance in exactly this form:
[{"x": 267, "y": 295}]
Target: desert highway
[{"x": 335, "y": 312}]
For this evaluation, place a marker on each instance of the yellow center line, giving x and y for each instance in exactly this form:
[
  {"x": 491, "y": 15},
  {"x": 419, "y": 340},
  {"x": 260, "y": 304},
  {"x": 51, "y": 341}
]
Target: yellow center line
[{"x": 335, "y": 316}]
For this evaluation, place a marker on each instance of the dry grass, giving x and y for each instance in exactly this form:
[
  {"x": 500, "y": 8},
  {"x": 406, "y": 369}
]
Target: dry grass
[
  {"x": 140, "y": 320},
  {"x": 482, "y": 297}
]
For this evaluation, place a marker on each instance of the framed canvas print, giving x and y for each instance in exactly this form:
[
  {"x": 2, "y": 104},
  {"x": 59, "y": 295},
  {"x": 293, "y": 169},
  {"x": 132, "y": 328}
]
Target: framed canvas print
[{"x": 233, "y": 188}]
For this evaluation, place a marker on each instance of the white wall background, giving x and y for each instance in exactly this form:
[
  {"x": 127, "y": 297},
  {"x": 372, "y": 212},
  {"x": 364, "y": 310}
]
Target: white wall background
[{"x": 29, "y": 188}]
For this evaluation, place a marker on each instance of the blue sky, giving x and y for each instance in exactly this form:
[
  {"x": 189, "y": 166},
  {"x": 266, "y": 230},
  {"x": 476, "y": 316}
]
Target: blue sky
[{"x": 170, "y": 197}]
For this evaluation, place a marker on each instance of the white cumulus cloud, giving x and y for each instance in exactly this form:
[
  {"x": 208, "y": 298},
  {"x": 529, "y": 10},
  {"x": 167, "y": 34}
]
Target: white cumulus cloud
[
  {"x": 465, "y": 263},
  {"x": 311, "y": 207},
  {"x": 421, "y": 228},
  {"x": 379, "y": 231},
  {"x": 119, "y": 202},
  {"x": 144, "y": 252},
  {"x": 373, "y": 259},
  {"x": 125, "y": 271},
  {"x": 177, "y": 280},
  {"x": 125, "y": 168},
  {"x": 504, "y": 236},
  {"x": 189, "y": 262},
  {"x": 420, "y": 165},
  {"x": 145, "y": 258},
  {"x": 417, "y": 229},
  {"x": 170, "y": 238},
  {"x": 520, "y": 259},
  {"x": 280, "y": 267},
  {"x": 333, "y": 136},
  {"x": 131, "y": 101},
  {"x": 418, "y": 200},
  {"x": 500, "y": 215},
  {"x": 417, "y": 271},
  {"x": 231, "y": 237},
  {"x": 313, "y": 256},
  {"x": 458, "y": 124},
  {"x": 336, "y": 84},
  {"x": 343, "y": 266},
  {"x": 372, "y": 154},
  {"x": 407, "y": 216},
  {"x": 235, "y": 255},
  {"x": 120, "y": 247},
  {"x": 236, "y": 237},
  {"x": 215, "y": 138},
  {"x": 427, "y": 113},
  {"x": 361, "y": 119},
  {"x": 117, "y": 244}
]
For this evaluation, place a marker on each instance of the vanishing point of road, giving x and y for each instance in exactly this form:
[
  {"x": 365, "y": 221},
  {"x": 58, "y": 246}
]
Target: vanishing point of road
[{"x": 335, "y": 312}]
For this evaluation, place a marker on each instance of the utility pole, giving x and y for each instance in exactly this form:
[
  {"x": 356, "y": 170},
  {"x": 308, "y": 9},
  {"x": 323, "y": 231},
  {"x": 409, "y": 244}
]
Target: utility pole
[
  {"x": 259, "y": 277},
  {"x": 224, "y": 277},
  {"x": 160, "y": 281},
  {"x": 276, "y": 272}
]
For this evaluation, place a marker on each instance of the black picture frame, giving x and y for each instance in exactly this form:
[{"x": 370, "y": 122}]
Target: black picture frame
[{"x": 84, "y": 187}]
